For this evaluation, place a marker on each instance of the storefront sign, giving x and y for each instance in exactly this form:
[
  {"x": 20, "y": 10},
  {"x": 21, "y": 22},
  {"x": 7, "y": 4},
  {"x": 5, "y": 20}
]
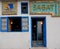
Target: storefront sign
[
  {"x": 44, "y": 8},
  {"x": 9, "y": 7}
]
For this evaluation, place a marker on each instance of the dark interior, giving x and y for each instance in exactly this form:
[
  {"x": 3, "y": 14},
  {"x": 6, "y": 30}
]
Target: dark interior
[
  {"x": 34, "y": 29},
  {"x": 16, "y": 23},
  {"x": 37, "y": 37},
  {"x": 24, "y": 7}
]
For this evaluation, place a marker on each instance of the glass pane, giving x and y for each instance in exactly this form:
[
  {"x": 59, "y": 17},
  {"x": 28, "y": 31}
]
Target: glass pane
[
  {"x": 39, "y": 32},
  {"x": 24, "y": 7},
  {"x": 4, "y": 24},
  {"x": 25, "y": 24}
]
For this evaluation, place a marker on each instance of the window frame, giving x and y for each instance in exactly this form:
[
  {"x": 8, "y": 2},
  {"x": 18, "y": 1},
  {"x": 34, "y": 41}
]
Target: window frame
[
  {"x": 26, "y": 8},
  {"x": 6, "y": 24},
  {"x": 14, "y": 31},
  {"x": 11, "y": 30}
]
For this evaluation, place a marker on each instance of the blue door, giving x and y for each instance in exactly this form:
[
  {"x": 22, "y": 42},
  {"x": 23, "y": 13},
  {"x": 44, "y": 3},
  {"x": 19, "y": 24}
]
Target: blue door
[{"x": 38, "y": 31}]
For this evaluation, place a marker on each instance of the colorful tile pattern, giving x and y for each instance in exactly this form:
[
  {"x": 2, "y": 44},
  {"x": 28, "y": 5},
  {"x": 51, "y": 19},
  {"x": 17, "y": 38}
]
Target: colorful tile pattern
[{"x": 9, "y": 8}]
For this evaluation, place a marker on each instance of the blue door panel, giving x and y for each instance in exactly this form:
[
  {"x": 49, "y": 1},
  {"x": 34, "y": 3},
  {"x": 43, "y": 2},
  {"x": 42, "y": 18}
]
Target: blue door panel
[
  {"x": 44, "y": 33},
  {"x": 0, "y": 23}
]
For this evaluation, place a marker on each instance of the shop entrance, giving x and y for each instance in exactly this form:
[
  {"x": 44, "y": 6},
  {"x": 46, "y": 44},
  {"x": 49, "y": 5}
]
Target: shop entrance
[{"x": 38, "y": 31}]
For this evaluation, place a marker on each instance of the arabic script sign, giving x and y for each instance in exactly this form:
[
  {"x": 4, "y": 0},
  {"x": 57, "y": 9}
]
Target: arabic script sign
[{"x": 44, "y": 8}]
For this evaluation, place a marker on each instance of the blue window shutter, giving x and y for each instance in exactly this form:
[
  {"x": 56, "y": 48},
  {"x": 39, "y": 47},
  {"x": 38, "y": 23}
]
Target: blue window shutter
[
  {"x": 44, "y": 33},
  {"x": 25, "y": 24},
  {"x": 0, "y": 23},
  {"x": 4, "y": 24}
]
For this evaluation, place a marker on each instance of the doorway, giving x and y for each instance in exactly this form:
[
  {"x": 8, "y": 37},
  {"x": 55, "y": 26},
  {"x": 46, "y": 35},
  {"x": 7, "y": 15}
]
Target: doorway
[{"x": 38, "y": 31}]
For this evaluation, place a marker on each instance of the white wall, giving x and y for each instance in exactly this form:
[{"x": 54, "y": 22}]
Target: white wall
[
  {"x": 14, "y": 40},
  {"x": 53, "y": 32},
  {"x": 21, "y": 40}
]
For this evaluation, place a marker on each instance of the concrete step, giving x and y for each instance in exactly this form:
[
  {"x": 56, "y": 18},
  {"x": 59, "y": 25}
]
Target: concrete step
[{"x": 39, "y": 48}]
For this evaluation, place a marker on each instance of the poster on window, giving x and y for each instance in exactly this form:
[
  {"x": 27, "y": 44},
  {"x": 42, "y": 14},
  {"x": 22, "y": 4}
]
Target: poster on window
[{"x": 9, "y": 7}]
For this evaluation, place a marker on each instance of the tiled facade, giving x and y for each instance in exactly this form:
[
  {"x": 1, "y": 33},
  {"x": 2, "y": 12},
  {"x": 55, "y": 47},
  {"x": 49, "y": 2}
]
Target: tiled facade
[{"x": 17, "y": 19}]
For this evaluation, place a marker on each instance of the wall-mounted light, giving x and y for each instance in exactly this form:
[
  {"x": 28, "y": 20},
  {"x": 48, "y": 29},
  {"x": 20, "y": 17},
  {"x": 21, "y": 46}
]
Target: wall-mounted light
[
  {"x": 11, "y": 22},
  {"x": 41, "y": 22}
]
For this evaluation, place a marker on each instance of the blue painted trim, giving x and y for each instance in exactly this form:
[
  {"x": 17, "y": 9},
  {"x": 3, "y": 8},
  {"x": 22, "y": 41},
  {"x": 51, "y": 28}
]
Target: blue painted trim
[
  {"x": 0, "y": 23},
  {"x": 44, "y": 31},
  {"x": 6, "y": 24},
  {"x": 31, "y": 32},
  {"x": 26, "y": 8},
  {"x": 21, "y": 24}
]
